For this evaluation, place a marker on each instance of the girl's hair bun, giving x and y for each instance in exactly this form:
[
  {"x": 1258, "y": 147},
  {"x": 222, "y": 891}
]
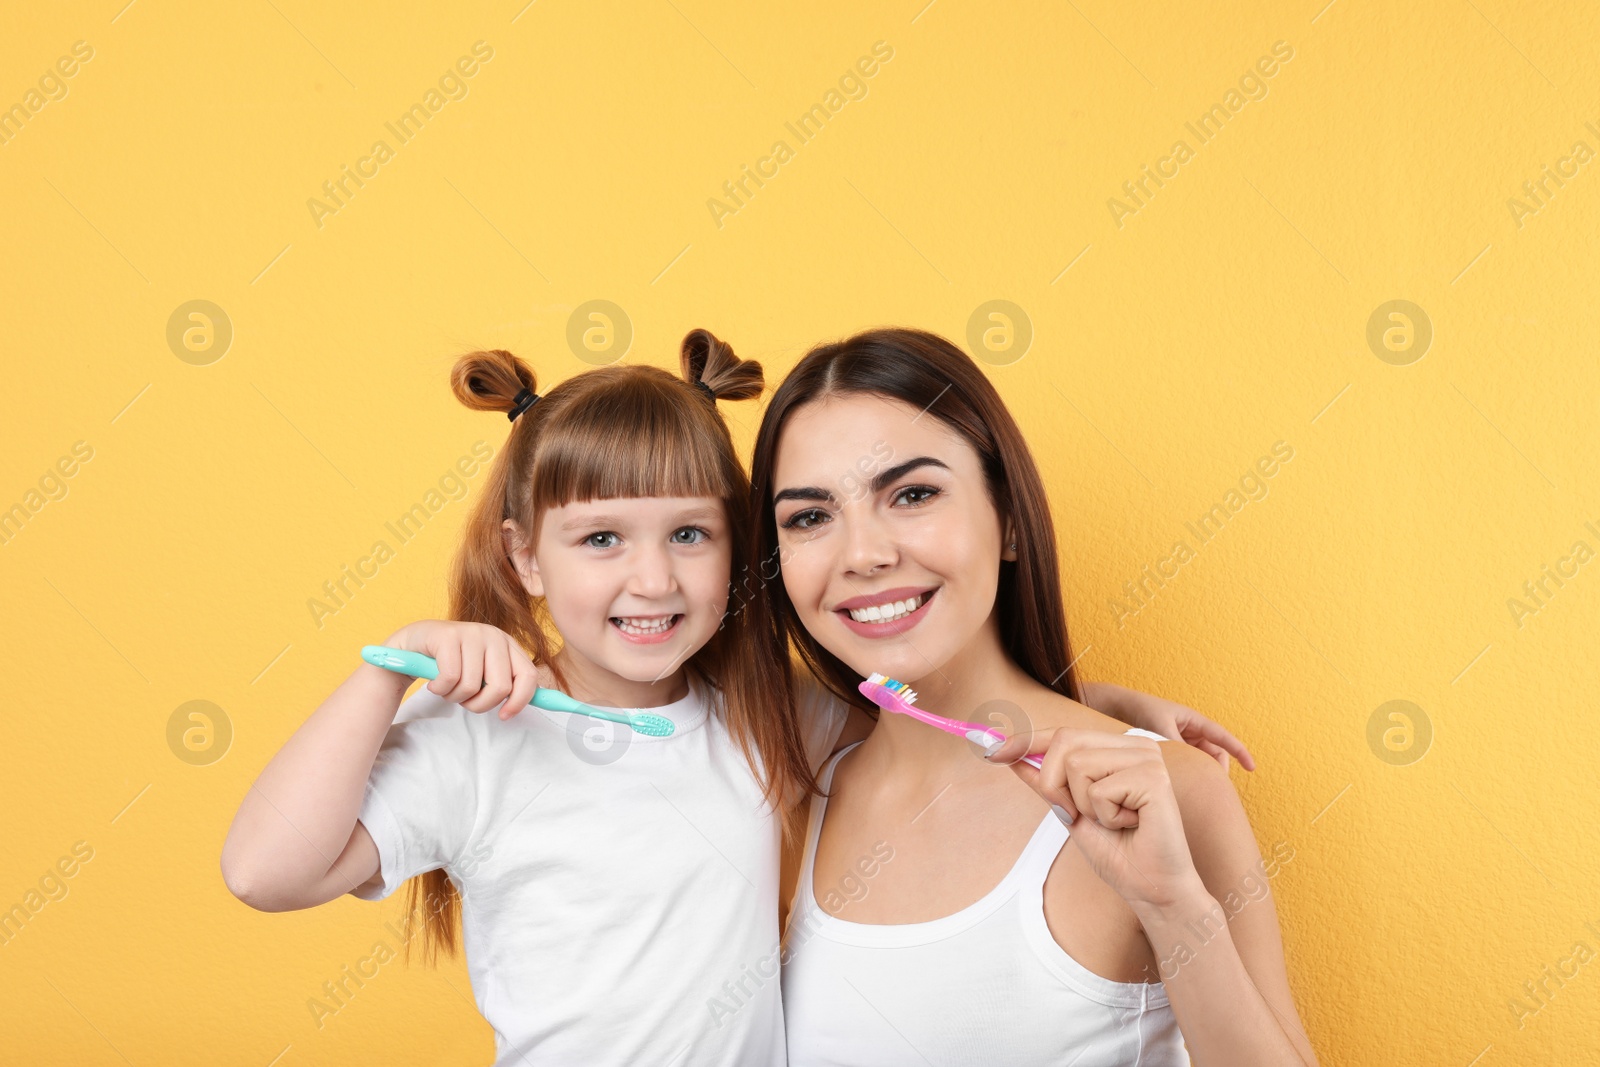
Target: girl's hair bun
[
  {"x": 491, "y": 380},
  {"x": 709, "y": 361}
]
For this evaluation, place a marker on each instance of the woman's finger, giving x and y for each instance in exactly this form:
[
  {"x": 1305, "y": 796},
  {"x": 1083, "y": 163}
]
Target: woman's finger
[
  {"x": 1117, "y": 798},
  {"x": 1057, "y": 798},
  {"x": 1090, "y": 761},
  {"x": 1072, "y": 758},
  {"x": 1018, "y": 745}
]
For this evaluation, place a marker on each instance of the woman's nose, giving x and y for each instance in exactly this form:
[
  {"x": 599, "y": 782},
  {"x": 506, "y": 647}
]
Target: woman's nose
[{"x": 868, "y": 545}]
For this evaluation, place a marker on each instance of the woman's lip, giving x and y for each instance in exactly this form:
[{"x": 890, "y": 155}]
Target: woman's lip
[
  {"x": 647, "y": 639},
  {"x": 888, "y": 596},
  {"x": 893, "y": 628}
]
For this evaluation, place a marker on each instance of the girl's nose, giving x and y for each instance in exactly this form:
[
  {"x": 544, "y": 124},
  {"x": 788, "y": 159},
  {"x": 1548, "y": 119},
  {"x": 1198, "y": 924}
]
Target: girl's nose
[{"x": 652, "y": 574}]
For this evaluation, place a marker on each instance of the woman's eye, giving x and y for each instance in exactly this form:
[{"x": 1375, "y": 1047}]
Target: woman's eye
[
  {"x": 804, "y": 520},
  {"x": 913, "y": 495},
  {"x": 689, "y": 535},
  {"x": 604, "y": 539}
]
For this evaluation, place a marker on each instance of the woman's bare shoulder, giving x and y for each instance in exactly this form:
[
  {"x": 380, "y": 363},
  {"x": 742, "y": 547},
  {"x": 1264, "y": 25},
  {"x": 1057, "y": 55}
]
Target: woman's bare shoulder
[{"x": 1048, "y": 710}]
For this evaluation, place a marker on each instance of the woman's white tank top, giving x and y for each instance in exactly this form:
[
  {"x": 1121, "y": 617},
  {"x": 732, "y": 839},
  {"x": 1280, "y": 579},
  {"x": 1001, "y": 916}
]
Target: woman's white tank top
[{"x": 986, "y": 985}]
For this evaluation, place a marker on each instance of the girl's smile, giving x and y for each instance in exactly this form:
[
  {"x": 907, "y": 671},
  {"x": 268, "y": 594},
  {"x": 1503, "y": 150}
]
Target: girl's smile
[{"x": 646, "y": 629}]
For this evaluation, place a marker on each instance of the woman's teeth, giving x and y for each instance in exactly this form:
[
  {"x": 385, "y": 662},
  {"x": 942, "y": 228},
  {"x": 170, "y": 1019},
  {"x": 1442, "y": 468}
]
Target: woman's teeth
[
  {"x": 889, "y": 612},
  {"x": 641, "y": 626}
]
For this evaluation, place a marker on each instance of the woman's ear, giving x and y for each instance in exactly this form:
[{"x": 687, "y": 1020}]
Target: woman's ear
[
  {"x": 521, "y": 556},
  {"x": 1008, "y": 542}
]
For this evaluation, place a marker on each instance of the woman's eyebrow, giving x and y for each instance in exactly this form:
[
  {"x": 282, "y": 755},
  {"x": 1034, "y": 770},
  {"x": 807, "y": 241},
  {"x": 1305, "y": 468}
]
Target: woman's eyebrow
[
  {"x": 883, "y": 479},
  {"x": 811, "y": 492},
  {"x": 804, "y": 492}
]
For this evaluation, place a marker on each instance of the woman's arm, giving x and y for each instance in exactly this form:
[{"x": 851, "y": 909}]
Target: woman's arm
[
  {"x": 1162, "y": 825},
  {"x": 1219, "y": 949}
]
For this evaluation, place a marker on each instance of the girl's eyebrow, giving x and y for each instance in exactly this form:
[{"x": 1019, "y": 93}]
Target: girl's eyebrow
[
  {"x": 700, "y": 514},
  {"x": 811, "y": 492},
  {"x": 591, "y": 520}
]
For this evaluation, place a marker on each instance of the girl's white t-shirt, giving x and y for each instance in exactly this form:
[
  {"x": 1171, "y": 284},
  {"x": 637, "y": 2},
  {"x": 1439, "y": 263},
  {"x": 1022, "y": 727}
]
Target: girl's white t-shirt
[{"x": 619, "y": 892}]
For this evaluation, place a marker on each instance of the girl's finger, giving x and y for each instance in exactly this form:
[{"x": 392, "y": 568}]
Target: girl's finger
[
  {"x": 525, "y": 679},
  {"x": 1218, "y": 734},
  {"x": 471, "y": 669},
  {"x": 496, "y": 677},
  {"x": 1218, "y": 754},
  {"x": 448, "y": 657}
]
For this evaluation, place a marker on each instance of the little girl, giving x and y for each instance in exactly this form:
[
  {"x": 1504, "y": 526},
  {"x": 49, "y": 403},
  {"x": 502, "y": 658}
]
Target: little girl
[{"x": 618, "y": 893}]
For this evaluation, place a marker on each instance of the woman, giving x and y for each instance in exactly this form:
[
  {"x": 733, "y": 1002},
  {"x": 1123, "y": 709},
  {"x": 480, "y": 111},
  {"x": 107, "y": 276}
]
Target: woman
[{"x": 949, "y": 910}]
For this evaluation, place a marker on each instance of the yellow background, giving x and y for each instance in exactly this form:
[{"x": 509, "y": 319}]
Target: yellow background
[{"x": 1228, "y": 313}]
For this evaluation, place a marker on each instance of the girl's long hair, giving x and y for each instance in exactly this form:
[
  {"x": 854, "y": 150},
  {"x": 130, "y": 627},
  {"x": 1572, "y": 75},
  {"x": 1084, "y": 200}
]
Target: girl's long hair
[
  {"x": 617, "y": 431},
  {"x": 933, "y": 376}
]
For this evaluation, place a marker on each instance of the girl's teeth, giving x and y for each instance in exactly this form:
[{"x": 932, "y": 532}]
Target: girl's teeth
[
  {"x": 888, "y": 612},
  {"x": 646, "y": 626}
]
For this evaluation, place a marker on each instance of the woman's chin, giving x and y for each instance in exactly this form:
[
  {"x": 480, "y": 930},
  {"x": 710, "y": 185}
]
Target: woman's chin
[{"x": 903, "y": 665}]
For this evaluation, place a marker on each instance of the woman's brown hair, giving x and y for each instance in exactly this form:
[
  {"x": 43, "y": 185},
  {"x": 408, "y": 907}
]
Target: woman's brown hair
[
  {"x": 935, "y": 377},
  {"x": 618, "y": 431}
]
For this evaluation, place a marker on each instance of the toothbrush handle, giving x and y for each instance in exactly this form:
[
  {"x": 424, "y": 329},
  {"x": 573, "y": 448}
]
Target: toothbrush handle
[{"x": 401, "y": 661}]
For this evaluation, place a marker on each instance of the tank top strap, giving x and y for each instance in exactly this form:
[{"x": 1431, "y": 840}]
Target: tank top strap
[
  {"x": 1040, "y": 852},
  {"x": 803, "y": 901}
]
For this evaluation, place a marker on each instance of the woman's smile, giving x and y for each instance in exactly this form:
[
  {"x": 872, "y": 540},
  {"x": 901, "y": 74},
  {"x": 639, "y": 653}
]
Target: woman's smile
[{"x": 886, "y": 614}]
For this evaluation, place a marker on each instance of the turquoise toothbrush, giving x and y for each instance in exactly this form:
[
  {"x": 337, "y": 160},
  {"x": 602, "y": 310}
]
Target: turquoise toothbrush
[{"x": 417, "y": 665}]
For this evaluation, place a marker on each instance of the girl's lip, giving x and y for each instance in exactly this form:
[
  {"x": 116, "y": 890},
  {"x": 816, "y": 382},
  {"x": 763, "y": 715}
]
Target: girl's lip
[
  {"x": 893, "y": 628},
  {"x": 647, "y": 639}
]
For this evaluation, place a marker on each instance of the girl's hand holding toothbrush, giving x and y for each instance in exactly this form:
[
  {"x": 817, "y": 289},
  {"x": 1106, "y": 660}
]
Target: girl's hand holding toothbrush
[{"x": 481, "y": 667}]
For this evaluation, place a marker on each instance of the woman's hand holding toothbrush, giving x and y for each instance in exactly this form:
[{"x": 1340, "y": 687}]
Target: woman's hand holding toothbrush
[{"x": 1115, "y": 794}]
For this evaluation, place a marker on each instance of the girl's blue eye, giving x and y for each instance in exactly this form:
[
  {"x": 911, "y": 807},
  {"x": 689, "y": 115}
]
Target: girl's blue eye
[
  {"x": 695, "y": 535},
  {"x": 804, "y": 520},
  {"x": 595, "y": 540},
  {"x": 923, "y": 494}
]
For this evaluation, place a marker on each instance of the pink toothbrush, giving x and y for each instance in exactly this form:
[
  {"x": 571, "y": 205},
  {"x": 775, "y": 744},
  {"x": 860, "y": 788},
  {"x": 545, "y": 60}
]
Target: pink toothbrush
[{"x": 891, "y": 695}]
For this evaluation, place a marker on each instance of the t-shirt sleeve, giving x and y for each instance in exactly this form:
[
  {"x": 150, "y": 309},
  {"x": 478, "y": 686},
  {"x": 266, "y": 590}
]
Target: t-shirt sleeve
[
  {"x": 421, "y": 797},
  {"x": 822, "y": 718}
]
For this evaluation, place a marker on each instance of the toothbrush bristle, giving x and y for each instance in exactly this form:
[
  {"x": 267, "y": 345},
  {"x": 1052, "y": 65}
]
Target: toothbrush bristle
[{"x": 900, "y": 689}]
